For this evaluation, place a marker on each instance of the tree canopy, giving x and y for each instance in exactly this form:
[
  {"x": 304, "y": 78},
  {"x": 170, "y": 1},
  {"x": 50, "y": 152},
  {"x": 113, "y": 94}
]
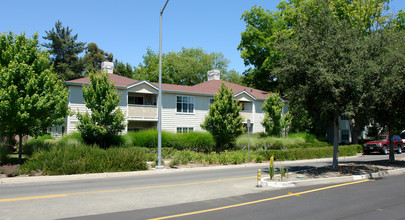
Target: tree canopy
[
  {"x": 94, "y": 56},
  {"x": 259, "y": 41},
  {"x": 64, "y": 50},
  {"x": 32, "y": 98},
  {"x": 105, "y": 121},
  {"x": 223, "y": 120},
  {"x": 186, "y": 67}
]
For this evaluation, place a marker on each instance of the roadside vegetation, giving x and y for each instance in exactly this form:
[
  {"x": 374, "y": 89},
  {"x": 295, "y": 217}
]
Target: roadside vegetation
[{"x": 71, "y": 155}]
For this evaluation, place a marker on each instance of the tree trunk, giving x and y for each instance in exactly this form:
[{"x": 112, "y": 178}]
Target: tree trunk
[
  {"x": 335, "y": 142},
  {"x": 20, "y": 136},
  {"x": 391, "y": 146}
]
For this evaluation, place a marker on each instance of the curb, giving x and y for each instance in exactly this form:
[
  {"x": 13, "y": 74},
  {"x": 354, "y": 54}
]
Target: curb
[{"x": 332, "y": 180}]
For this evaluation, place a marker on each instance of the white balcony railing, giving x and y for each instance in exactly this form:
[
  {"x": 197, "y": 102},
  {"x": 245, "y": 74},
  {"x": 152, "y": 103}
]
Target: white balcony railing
[
  {"x": 142, "y": 111},
  {"x": 246, "y": 115}
]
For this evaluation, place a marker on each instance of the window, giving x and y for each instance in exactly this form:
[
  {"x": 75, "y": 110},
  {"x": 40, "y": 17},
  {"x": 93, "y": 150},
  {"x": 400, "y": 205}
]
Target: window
[
  {"x": 185, "y": 104},
  {"x": 185, "y": 129},
  {"x": 136, "y": 100},
  {"x": 211, "y": 101},
  {"x": 242, "y": 105},
  {"x": 343, "y": 117},
  {"x": 345, "y": 135}
]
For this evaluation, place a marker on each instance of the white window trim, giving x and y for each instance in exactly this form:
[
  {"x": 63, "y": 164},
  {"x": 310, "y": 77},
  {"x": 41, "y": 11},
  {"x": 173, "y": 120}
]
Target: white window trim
[
  {"x": 183, "y": 130},
  {"x": 185, "y": 113}
]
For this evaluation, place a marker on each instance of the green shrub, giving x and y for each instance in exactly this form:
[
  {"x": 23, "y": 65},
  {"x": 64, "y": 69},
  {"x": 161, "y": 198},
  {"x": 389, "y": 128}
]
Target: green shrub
[
  {"x": 77, "y": 159},
  {"x": 269, "y": 142},
  {"x": 37, "y": 144},
  {"x": 309, "y": 153},
  {"x": 309, "y": 138},
  {"x": 197, "y": 141},
  {"x": 73, "y": 139},
  {"x": 10, "y": 170},
  {"x": 4, "y": 151}
]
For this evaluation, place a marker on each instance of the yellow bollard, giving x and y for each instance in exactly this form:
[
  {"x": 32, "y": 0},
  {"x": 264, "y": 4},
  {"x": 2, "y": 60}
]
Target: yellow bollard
[{"x": 259, "y": 178}]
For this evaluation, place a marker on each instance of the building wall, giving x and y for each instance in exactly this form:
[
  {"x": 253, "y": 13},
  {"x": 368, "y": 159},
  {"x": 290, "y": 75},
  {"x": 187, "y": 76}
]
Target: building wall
[
  {"x": 171, "y": 119},
  {"x": 258, "y": 117},
  {"x": 76, "y": 105}
]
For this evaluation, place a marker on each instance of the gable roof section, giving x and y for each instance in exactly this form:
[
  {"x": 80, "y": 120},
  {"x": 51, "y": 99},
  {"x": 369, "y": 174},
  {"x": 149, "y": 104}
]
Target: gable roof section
[
  {"x": 213, "y": 86},
  {"x": 118, "y": 80},
  {"x": 210, "y": 87}
]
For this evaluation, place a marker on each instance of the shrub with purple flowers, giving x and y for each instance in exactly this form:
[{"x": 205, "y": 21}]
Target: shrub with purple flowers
[{"x": 10, "y": 170}]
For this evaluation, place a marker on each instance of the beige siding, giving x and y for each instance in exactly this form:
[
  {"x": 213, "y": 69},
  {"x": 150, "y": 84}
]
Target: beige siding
[
  {"x": 76, "y": 105},
  {"x": 258, "y": 116},
  {"x": 171, "y": 119},
  {"x": 143, "y": 88}
]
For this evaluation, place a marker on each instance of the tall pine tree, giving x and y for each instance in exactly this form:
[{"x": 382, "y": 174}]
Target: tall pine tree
[{"x": 64, "y": 51}]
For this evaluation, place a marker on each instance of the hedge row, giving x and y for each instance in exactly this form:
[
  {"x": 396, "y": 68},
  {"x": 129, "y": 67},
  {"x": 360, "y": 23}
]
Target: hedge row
[
  {"x": 78, "y": 159},
  {"x": 309, "y": 153},
  {"x": 238, "y": 156},
  {"x": 276, "y": 143},
  {"x": 197, "y": 141}
]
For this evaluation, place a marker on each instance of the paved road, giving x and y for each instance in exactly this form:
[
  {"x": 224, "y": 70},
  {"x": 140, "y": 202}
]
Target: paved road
[
  {"x": 379, "y": 199},
  {"x": 91, "y": 196}
]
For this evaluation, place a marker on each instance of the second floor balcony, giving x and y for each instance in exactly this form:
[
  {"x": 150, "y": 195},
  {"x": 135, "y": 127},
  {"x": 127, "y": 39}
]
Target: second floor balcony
[
  {"x": 142, "y": 111},
  {"x": 246, "y": 115}
]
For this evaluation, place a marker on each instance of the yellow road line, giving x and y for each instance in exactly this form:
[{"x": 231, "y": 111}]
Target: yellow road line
[
  {"x": 258, "y": 201},
  {"x": 118, "y": 190}
]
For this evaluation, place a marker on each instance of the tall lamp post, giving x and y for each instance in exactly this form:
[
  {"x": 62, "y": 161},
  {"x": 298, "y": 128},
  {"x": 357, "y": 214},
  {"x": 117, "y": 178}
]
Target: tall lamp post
[{"x": 159, "y": 165}]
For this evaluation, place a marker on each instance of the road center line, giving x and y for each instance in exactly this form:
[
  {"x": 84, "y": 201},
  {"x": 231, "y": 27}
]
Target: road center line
[
  {"x": 258, "y": 201},
  {"x": 118, "y": 190}
]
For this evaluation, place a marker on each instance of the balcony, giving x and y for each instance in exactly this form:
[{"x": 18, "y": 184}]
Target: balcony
[
  {"x": 246, "y": 115},
  {"x": 142, "y": 111}
]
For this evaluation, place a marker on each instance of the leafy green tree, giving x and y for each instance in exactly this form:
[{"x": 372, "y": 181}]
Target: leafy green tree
[
  {"x": 387, "y": 74},
  {"x": 94, "y": 56},
  {"x": 187, "y": 67},
  {"x": 223, "y": 120},
  {"x": 123, "y": 69},
  {"x": 301, "y": 121},
  {"x": 64, "y": 50},
  {"x": 400, "y": 21},
  {"x": 322, "y": 64},
  {"x": 32, "y": 98},
  {"x": 272, "y": 108},
  {"x": 105, "y": 121},
  {"x": 259, "y": 41}
]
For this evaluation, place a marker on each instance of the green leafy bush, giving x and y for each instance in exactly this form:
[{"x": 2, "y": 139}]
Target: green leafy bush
[
  {"x": 309, "y": 153},
  {"x": 77, "y": 159},
  {"x": 37, "y": 144},
  {"x": 4, "y": 151},
  {"x": 197, "y": 141},
  {"x": 10, "y": 170},
  {"x": 309, "y": 138},
  {"x": 269, "y": 142},
  {"x": 73, "y": 139}
]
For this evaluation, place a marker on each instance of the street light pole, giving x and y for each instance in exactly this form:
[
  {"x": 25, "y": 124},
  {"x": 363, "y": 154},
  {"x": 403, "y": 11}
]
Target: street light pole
[{"x": 159, "y": 157}]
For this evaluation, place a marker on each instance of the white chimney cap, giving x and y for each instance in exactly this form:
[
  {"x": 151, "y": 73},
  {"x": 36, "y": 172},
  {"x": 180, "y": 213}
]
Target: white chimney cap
[
  {"x": 107, "y": 66},
  {"x": 214, "y": 75}
]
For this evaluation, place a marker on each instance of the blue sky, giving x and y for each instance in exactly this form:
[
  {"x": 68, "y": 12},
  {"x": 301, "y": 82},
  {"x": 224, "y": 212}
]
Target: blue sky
[{"x": 127, "y": 27}]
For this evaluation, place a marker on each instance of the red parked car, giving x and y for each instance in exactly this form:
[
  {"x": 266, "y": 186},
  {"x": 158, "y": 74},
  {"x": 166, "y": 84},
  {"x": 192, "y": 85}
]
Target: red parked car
[{"x": 381, "y": 144}]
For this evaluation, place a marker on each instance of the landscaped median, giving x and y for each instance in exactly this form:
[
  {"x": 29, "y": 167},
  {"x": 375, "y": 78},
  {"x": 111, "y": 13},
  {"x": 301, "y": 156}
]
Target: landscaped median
[{"x": 346, "y": 173}]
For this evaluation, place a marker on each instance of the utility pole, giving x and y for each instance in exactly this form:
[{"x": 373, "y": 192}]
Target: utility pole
[{"x": 159, "y": 157}]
